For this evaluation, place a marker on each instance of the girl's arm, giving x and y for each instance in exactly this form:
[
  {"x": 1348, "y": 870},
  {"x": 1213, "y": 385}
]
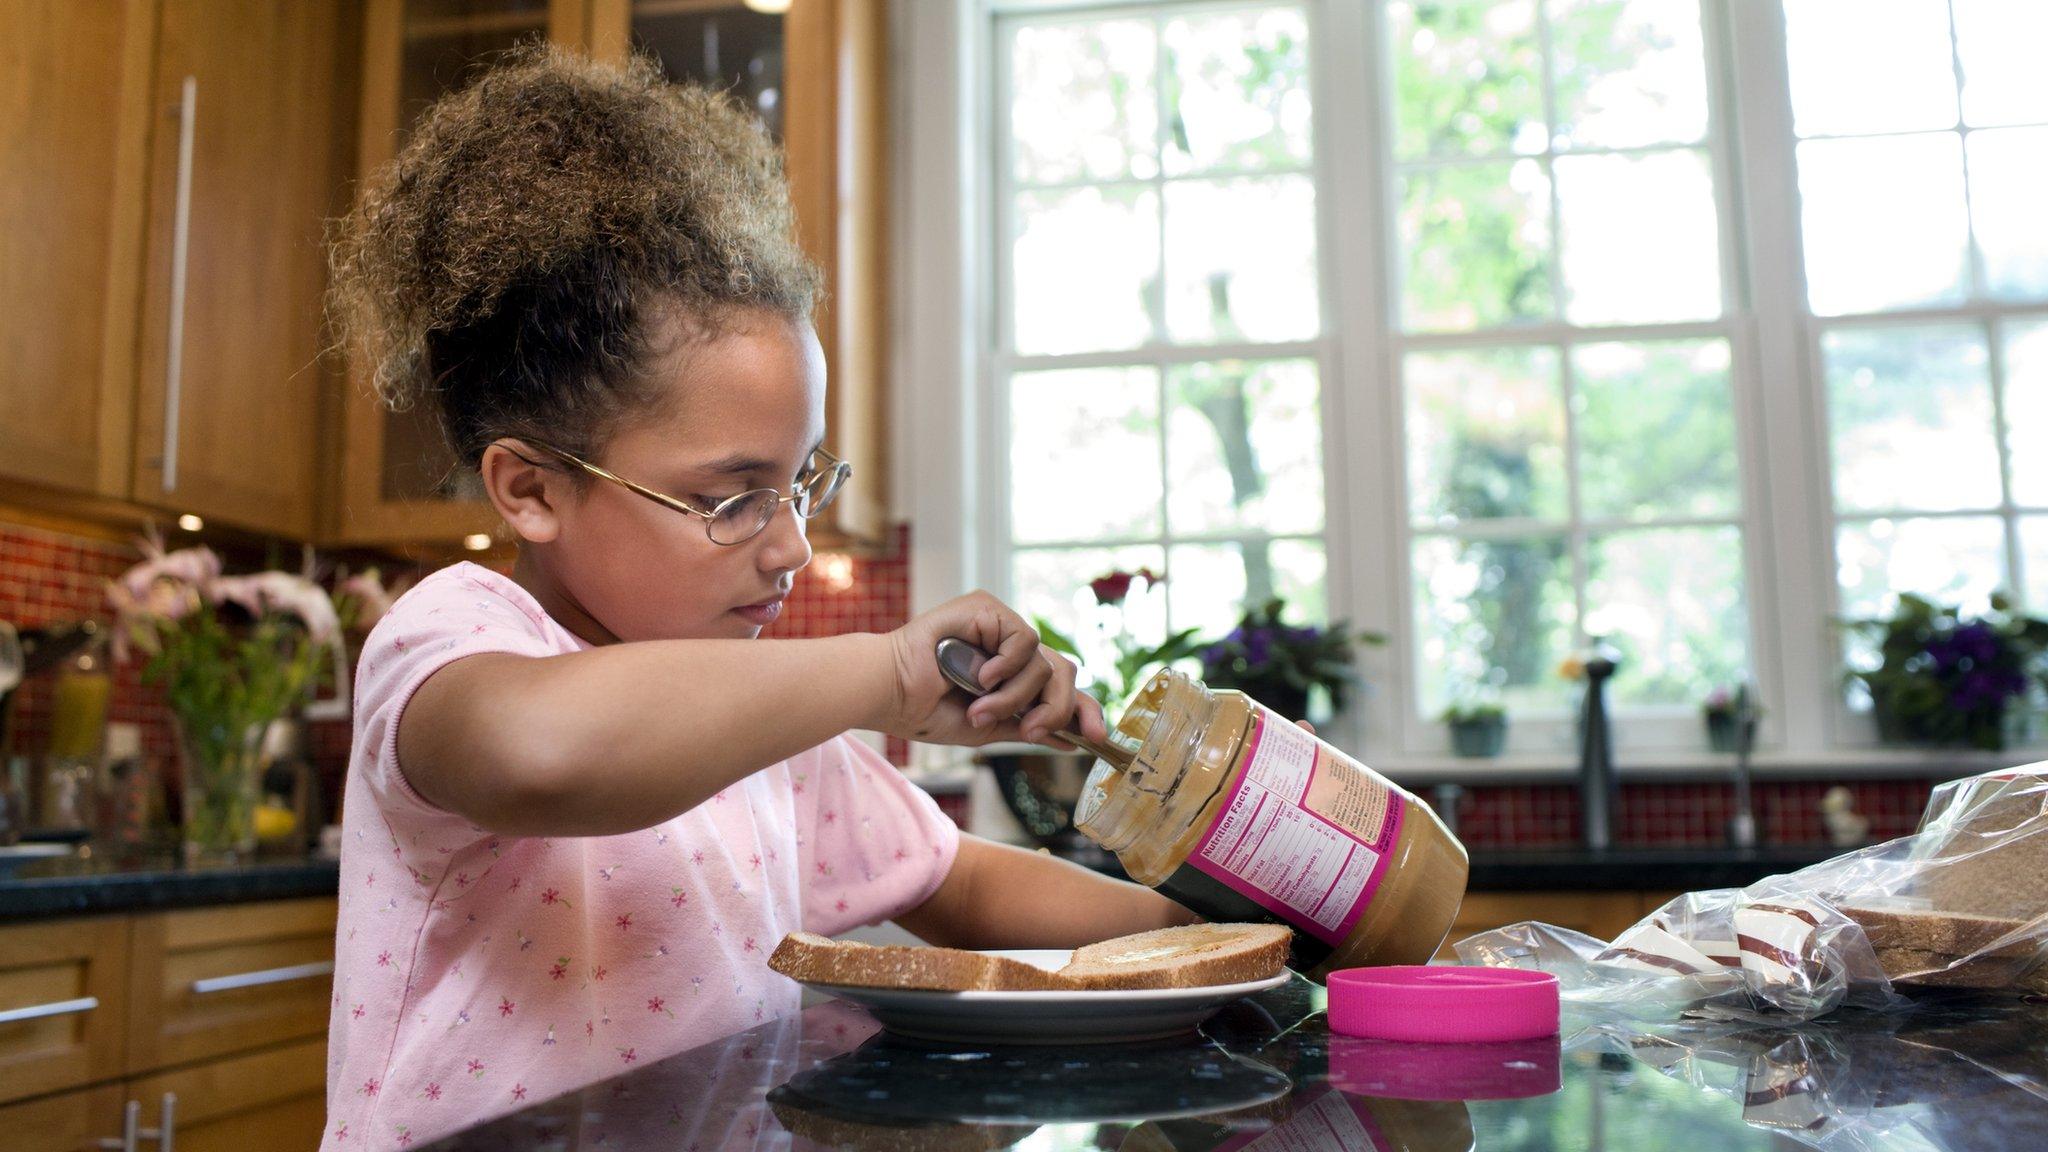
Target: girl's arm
[
  {"x": 998, "y": 896},
  {"x": 623, "y": 737}
]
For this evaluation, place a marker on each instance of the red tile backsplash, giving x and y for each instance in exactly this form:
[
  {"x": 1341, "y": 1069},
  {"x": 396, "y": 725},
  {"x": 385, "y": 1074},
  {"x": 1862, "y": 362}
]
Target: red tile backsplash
[{"x": 50, "y": 576}]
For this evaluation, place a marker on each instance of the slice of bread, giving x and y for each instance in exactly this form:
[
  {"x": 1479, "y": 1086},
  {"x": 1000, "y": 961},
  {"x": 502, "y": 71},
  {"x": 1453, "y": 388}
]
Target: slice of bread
[
  {"x": 1952, "y": 949},
  {"x": 1193, "y": 956},
  {"x": 819, "y": 960}
]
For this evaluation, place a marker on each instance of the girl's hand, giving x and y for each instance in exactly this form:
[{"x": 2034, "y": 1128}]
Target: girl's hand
[{"x": 1023, "y": 676}]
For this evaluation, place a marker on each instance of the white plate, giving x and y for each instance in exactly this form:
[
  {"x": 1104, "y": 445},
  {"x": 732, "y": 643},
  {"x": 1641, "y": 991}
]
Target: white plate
[{"x": 1045, "y": 1017}]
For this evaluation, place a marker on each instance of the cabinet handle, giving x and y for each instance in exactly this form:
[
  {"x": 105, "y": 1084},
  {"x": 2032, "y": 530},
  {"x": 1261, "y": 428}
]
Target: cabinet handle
[
  {"x": 131, "y": 1117},
  {"x": 54, "y": 1008},
  {"x": 266, "y": 976},
  {"x": 181, "y": 243},
  {"x": 166, "y": 1121}
]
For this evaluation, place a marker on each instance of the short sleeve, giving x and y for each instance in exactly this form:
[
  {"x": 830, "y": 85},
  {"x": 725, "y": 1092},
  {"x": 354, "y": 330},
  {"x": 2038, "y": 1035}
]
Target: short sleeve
[
  {"x": 455, "y": 613},
  {"x": 873, "y": 845}
]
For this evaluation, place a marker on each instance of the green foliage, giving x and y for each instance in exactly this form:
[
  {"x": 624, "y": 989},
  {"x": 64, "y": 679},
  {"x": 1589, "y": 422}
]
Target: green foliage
[
  {"x": 1272, "y": 661},
  {"x": 1477, "y": 712},
  {"x": 1133, "y": 663},
  {"x": 1944, "y": 678}
]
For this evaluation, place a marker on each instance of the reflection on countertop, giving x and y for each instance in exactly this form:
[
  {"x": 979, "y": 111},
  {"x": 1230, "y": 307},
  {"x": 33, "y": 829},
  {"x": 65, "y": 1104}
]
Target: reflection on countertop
[
  {"x": 1266, "y": 1073},
  {"x": 78, "y": 880}
]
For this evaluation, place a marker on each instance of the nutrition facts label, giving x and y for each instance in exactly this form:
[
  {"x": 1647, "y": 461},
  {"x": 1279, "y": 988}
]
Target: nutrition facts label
[{"x": 1288, "y": 857}]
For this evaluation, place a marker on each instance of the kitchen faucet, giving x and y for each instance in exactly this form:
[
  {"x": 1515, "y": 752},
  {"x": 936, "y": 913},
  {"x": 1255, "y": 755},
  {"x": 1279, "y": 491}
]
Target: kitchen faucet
[{"x": 1596, "y": 758}]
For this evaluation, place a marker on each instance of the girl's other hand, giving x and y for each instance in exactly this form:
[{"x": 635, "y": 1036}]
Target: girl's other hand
[{"x": 1031, "y": 687}]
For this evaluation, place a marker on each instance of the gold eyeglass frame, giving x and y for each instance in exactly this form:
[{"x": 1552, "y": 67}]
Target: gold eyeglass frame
[{"x": 831, "y": 465}]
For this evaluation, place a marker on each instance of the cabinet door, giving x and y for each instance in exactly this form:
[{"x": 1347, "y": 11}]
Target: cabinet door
[
  {"x": 1599, "y": 914},
  {"x": 63, "y": 988},
  {"x": 209, "y": 982},
  {"x": 245, "y": 166},
  {"x": 68, "y": 1122},
  {"x": 395, "y": 482},
  {"x": 275, "y": 1098},
  {"x": 73, "y": 125}
]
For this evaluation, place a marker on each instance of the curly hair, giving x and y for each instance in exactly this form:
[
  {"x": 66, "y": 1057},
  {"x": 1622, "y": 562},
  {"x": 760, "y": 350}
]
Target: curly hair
[{"x": 506, "y": 266}]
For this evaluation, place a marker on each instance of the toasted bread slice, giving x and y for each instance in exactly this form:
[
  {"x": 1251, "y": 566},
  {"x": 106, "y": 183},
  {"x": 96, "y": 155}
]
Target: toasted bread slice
[
  {"x": 818, "y": 960},
  {"x": 1194, "y": 956},
  {"x": 1191, "y": 956}
]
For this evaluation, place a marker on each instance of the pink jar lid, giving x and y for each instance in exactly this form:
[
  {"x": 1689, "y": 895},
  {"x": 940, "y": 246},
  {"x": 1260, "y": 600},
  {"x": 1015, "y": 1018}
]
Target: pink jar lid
[{"x": 1441, "y": 1004}]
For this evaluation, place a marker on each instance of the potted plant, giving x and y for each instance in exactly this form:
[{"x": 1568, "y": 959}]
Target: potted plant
[
  {"x": 1280, "y": 665},
  {"x": 1948, "y": 679},
  {"x": 1130, "y": 661},
  {"x": 231, "y": 654},
  {"x": 1478, "y": 729},
  {"x": 1723, "y": 711},
  {"x": 1041, "y": 787}
]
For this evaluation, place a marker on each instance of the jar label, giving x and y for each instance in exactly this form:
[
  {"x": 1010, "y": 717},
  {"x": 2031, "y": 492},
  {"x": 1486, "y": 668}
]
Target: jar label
[{"x": 1304, "y": 832}]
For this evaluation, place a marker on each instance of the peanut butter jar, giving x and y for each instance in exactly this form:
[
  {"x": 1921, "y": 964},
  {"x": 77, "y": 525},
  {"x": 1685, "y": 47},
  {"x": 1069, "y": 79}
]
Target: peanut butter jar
[{"x": 1239, "y": 815}]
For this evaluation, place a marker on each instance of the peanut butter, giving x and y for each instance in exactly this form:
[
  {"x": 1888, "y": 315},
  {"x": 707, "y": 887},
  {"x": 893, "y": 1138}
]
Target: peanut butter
[{"x": 1239, "y": 815}]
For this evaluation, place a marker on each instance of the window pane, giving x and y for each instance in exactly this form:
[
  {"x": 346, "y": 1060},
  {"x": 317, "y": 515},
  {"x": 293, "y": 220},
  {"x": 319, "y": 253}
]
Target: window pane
[
  {"x": 2026, "y": 415},
  {"x": 1861, "y": 66},
  {"x": 1655, "y": 430},
  {"x": 1910, "y": 415},
  {"x": 1952, "y": 560},
  {"x": 2008, "y": 173},
  {"x": 1639, "y": 238},
  {"x": 1672, "y": 601},
  {"x": 1244, "y": 447},
  {"x": 1628, "y": 73},
  {"x": 1209, "y": 585},
  {"x": 1485, "y": 435},
  {"x": 2000, "y": 45},
  {"x": 1238, "y": 85},
  {"x": 1243, "y": 259},
  {"x": 2034, "y": 547},
  {"x": 1475, "y": 246},
  {"x": 1493, "y": 614},
  {"x": 1468, "y": 78},
  {"x": 1084, "y": 261},
  {"x": 1884, "y": 222},
  {"x": 1082, "y": 102},
  {"x": 1084, "y": 457},
  {"x": 1053, "y": 584}
]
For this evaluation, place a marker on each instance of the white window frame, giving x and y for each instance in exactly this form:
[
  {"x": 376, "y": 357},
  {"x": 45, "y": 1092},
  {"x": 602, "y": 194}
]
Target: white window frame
[{"x": 947, "y": 430}]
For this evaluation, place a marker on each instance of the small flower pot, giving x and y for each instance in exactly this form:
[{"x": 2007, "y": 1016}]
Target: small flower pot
[
  {"x": 1477, "y": 739},
  {"x": 1721, "y": 733}
]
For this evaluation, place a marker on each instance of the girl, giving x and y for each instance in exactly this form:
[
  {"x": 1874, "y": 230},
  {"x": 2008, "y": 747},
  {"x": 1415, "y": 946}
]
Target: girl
[{"x": 584, "y": 802}]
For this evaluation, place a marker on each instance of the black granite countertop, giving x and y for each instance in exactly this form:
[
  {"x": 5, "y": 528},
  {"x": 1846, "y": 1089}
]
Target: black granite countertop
[
  {"x": 1635, "y": 869},
  {"x": 84, "y": 881},
  {"x": 1266, "y": 1073},
  {"x": 1582, "y": 869}
]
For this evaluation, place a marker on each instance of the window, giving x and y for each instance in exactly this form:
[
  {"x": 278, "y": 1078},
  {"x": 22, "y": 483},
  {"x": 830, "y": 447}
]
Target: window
[
  {"x": 1563, "y": 355},
  {"x": 1160, "y": 337},
  {"x": 1500, "y": 325},
  {"x": 1932, "y": 340}
]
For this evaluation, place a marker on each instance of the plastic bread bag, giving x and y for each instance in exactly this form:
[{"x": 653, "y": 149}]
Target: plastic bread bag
[{"x": 1962, "y": 903}]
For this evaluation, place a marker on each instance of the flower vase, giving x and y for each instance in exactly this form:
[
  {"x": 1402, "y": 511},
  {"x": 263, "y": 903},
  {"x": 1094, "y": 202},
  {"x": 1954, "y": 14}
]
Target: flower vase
[
  {"x": 1479, "y": 738},
  {"x": 221, "y": 766}
]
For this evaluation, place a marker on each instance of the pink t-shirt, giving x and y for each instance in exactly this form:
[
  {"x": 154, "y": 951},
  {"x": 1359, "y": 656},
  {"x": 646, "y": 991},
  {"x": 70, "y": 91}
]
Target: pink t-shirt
[{"x": 477, "y": 973}]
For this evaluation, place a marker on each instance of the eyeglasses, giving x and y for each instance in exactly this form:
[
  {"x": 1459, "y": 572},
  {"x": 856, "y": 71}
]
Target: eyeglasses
[{"x": 740, "y": 518}]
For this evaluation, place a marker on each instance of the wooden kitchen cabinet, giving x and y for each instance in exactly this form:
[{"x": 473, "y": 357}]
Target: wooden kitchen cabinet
[
  {"x": 66, "y": 1122},
  {"x": 223, "y": 1009},
  {"x": 247, "y": 160},
  {"x": 209, "y": 981},
  {"x": 822, "y": 68},
  {"x": 63, "y": 998},
  {"x": 72, "y": 136},
  {"x": 170, "y": 164},
  {"x": 275, "y": 1098},
  {"x": 1600, "y": 914}
]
